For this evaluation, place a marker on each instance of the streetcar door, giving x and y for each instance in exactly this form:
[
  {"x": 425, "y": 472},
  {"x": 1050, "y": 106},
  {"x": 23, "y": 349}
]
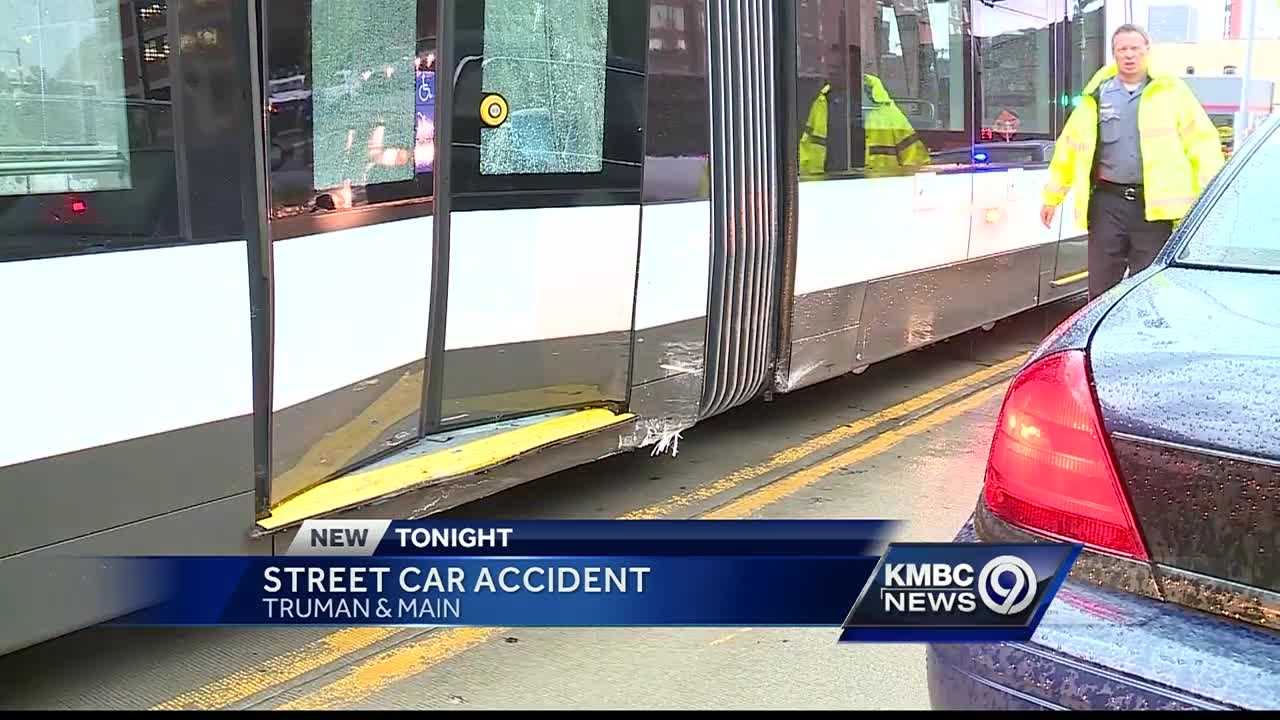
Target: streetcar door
[
  {"x": 342, "y": 296},
  {"x": 539, "y": 207}
]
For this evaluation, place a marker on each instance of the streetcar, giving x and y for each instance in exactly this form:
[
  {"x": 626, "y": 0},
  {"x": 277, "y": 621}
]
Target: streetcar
[{"x": 272, "y": 260}]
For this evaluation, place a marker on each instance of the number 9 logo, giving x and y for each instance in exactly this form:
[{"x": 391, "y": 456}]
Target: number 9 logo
[
  {"x": 1013, "y": 597},
  {"x": 493, "y": 110}
]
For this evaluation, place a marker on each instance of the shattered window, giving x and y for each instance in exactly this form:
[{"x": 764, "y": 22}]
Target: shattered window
[
  {"x": 351, "y": 103},
  {"x": 364, "y": 91},
  {"x": 545, "y": 59}
]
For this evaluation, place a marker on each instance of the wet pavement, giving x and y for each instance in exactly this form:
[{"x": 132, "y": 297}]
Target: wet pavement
[{"x": 906, "y": 440}]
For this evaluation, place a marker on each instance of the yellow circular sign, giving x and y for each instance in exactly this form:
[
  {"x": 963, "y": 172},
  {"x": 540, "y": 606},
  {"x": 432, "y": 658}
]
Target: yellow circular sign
[{"x": 493, "y": 110}]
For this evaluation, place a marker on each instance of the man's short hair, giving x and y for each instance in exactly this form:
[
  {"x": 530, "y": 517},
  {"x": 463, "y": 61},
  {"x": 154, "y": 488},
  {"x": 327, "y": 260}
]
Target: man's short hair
[{"x": 1129, "y": 28}]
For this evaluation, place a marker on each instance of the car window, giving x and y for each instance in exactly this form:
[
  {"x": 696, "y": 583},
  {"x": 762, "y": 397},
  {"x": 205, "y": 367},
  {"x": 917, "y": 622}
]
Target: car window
[{"x": 1239, "y": 229}]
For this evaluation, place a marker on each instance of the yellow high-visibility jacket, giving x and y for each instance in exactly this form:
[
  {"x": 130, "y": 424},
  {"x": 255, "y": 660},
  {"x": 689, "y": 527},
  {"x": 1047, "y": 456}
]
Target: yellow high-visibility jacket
[
  {"x": 892, "y": 144},
  {"x": 1181, "y": 151},
  {"x": 891, "y": 141},
  {"x": 813, "y": 138}
]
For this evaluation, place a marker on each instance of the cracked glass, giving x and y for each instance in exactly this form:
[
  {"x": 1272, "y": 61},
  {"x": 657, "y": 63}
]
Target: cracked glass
[
  {"x": 546, "y": 58},
  {"x": 364, "y": 92}
]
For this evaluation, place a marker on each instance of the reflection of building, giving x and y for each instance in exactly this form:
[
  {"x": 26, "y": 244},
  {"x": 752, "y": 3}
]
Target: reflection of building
[
  {"x": 1016, "y": 79},
  {"x": 820, "y": 35},
  {"x": 677, "y": 44},
  {"x": 678, "y": 60},
  {"x": 144, "y": 27},
  {"x": 1173, "y": 23}
]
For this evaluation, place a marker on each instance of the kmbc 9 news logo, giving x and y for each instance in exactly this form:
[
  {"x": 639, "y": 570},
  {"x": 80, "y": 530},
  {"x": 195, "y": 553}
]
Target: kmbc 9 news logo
[
  {"x": 1006, "y": 585},
  {"x": 930, "y": 591}
]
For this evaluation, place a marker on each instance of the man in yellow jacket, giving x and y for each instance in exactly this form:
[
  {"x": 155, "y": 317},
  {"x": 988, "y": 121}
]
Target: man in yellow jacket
[
  {"x": 892, "y": 144},
  {"x": 1135, "y": 154},
  {"x": 813, "y": 136}
]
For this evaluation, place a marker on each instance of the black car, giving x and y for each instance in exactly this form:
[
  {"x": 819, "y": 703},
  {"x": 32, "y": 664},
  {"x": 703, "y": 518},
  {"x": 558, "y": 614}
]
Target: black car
[{"x": 1147, "y": 428}]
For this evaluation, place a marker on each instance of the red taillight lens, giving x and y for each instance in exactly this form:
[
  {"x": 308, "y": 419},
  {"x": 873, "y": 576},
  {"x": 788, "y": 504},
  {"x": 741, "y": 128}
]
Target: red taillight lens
[{"x": 1050, "y": 468}]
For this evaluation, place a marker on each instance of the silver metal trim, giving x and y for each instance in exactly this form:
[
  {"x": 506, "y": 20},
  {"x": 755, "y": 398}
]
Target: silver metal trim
[{"x": 1195, "y": 449}]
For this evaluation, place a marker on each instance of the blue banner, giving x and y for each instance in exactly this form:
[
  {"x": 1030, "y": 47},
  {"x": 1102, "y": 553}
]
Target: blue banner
[
  {"x": 513, "y": 592},
  {"x": 616, "y": 574}
]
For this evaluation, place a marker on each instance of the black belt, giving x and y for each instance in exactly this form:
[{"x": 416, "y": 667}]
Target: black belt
[{"x": 1128, "y": 192}]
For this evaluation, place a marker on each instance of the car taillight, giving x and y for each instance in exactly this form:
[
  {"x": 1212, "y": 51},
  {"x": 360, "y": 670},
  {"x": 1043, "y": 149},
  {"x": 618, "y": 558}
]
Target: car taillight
[{"x": 1050, "y": 468}]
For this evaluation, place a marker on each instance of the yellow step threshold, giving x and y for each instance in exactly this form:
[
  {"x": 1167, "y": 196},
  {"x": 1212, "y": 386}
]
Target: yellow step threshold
[
  {"x": 384, "y": 481},
  {"x": 1070, "y": 279}
]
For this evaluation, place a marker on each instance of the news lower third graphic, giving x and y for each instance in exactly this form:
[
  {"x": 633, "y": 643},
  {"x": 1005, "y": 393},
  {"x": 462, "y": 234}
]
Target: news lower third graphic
[{"x": 847, "y": 575}]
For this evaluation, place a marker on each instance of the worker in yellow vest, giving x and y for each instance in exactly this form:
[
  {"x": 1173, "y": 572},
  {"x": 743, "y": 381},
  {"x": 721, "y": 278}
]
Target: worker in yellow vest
[
  {"x": 1136, "y": 154},
  {"x": 813, "y": 136},
  {"x": 892, "y": 144}
]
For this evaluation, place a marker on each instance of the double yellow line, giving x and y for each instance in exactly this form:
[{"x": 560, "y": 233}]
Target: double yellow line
[{"x": 415, "y": 656}]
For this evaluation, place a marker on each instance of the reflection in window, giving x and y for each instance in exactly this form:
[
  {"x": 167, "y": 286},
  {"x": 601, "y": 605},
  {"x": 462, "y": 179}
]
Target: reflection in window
[
  {"x": 880, "y": 84},
  {"x": 677, "y": 135},
  {"x": 86, "y": 126},
  {"x": 1014, "y": 48},
  {"x": 1088, "y": 45},
  {"x": 546, "y": 58},
  {"x": 351, "y": 104},
  {"x": 64, "y": 122},
  {"x": 919, "y": 57}
]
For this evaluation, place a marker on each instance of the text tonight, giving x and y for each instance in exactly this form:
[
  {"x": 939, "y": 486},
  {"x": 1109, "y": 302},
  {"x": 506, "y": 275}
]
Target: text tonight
[
  {"x": 413, "y": 579},
  {"x": 466, "y": 537}
]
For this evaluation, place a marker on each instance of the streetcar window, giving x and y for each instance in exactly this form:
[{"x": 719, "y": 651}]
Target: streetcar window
[
  {"x": 87, "y": 159},
  {"x": 351, "y": 110},
  {"x": 64, "y": 119},
  {"x": 880, "y": 86},
  {"x": 362, "y": 92},
  {"x": 822, "y": 84},
  {"x": 1014, "y": 47},
  {"x": 677, "y": 138},
  {"x": 1088, "y": 46},
  {"x": 547, "y": 62}
]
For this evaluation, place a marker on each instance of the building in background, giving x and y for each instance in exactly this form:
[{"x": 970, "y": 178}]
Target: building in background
[{"x": 1209, "y": 39}]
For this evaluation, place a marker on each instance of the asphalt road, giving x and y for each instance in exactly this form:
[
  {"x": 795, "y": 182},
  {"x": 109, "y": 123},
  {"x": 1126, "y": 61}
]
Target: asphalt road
[{"x": 906, "y": 440}]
